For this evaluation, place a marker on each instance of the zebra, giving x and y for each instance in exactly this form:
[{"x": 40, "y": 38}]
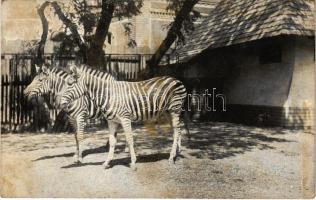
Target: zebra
[
  {"x": 54, "y": 81},
  {"x": 124, "y": 102}
]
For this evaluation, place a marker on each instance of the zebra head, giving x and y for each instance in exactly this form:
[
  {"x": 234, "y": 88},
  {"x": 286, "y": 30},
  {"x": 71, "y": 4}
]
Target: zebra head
[
  {"x": 74, "y": 90},
  {"x": 40, "y": 83}
]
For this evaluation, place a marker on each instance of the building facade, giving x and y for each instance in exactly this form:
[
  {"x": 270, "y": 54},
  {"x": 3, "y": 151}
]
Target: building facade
[
  {"x": 21, "y": 26},
  {"x": 149, "y": 28},
  {"x": 260, "y": 55}
]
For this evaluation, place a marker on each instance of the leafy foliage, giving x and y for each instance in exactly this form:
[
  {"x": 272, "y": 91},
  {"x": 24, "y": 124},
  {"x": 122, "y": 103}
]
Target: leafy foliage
[
  {"x": 86, "y": 26},
  {"x": 85, "y": 17},
  {"x": 128, "y": 32},
  {"x": 127, "y": 8},
  {"x": 30, "y": 47},
  {"x": 188, "y": 22}
]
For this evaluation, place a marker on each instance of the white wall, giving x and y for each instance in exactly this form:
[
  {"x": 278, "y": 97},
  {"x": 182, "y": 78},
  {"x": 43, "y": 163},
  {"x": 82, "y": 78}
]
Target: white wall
[
  {"x": 290, "y": 83},
  {"x": 252, "y": 83},
  {"x": 303, "y": 81},
  {"x": 21, "y": 24}
]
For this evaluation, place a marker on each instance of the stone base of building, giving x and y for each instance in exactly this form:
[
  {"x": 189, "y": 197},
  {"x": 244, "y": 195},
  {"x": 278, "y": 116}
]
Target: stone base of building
[{"x": 293, "y": 117}]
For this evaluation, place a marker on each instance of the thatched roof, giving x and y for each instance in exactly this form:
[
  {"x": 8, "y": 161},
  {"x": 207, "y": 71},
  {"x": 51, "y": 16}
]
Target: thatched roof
[
  {"x": 208, "y": 2},
  {"x": 239, "y": 21}
]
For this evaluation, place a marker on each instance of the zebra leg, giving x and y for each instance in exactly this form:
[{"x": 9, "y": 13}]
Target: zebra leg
[
  {"x": 127, "y": 126},
  {"x": 76, "y": 154},
  {"x": 126, "y": 145},
  {"x": 169, "y": 118},
  {"x": 179, "y": 144},
  {"x": 73, "y": 124},
  {"x": 161, "y": 118},
  {"x": 157, "y": 124},
  {"x": 126, "y": 150},
  {"x": 79, "y": 136},
  {"x": 176, "y": 137},
  {"x": 112, "y": 138}
]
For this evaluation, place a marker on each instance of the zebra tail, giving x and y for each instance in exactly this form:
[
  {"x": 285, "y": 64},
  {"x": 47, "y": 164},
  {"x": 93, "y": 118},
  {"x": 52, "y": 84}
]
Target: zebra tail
[
  {"x": 186, "y": 122},
  {"x": 186, "y": 118}
]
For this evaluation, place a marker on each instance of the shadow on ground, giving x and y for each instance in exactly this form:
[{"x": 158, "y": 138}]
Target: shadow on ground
[
  {"x": 126, "y": 161},
  {"x": 207, "y": 140},
  {"x": 225, "y": 140}
]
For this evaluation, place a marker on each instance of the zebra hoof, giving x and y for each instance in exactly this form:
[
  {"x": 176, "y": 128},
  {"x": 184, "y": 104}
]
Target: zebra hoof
[
  {"x": 171, "y": 161},
  {"x": 106, "y": 165},
  {"x": 133, "y": 167},
  {"x": 77, "y": 159},
  {"x": 77, "y": 162}
]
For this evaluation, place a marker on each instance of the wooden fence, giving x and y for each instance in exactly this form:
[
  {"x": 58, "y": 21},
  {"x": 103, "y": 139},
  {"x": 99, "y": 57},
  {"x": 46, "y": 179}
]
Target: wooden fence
[{"x": 18, "y": 70}]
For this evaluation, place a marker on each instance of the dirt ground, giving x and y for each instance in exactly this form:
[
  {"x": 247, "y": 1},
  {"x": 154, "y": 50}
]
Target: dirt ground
[{"x": 221, "y": 160}]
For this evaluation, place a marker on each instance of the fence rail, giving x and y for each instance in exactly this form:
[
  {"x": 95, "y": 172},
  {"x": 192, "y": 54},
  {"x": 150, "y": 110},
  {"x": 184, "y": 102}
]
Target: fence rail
[{"x": 17, "y": 71}]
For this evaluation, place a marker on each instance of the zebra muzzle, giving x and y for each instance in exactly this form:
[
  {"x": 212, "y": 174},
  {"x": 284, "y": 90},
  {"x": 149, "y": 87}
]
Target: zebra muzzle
[
  {"x": 63, "y": 103},
  {"x": 30, "y": 95}
]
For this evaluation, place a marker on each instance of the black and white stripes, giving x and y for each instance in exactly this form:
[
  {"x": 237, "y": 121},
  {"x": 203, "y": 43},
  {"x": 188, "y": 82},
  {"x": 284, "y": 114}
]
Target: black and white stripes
[
  {"x": 137, "y": 101},
  {"x": 122, "y": 102},
  {"x": 54, "y": 81}
]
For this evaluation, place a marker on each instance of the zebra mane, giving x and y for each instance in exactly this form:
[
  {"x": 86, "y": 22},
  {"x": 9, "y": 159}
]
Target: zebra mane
[
  {"x": 64, "y": 73},
  {"x": 60, "y": 72},
  {"x": 96, "y": 73}
]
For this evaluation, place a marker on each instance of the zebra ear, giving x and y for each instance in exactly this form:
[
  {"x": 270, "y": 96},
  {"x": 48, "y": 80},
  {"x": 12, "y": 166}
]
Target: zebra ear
[
  {"x": 45, "y": 68},
  {"x": 37, "y": 69},
  {"x": 74, "y": 71}
]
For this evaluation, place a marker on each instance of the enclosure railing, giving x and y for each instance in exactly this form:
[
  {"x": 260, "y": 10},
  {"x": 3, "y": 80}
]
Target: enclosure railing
[{"x": 18, "y": 70}]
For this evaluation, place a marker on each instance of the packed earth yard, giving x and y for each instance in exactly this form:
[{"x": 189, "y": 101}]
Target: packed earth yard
[{"x": 221, "y": 160}]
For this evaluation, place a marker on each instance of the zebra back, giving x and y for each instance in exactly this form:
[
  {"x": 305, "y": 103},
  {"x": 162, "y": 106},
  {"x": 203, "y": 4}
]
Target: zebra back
[{"x": 137, "y": 101}]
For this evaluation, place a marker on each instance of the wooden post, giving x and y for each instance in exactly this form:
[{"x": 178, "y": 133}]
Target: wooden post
[
  {"x": 6, "y": 99},
  {"x": 109, "y": 63},
  {"x": 17, "y": 99},
  {"x": 10, "y": 95}
]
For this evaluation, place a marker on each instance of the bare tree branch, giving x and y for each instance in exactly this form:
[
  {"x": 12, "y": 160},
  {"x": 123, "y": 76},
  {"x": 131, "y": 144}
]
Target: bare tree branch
[
  {"x": 72, "y": 27},
  {"x": 90, "y": 45},
  {"x": 42, "y": 42},
  {"x": 104, "y": 22},
  {"x": 172, "y": 34},
  {"x": 95, "y": 55}
]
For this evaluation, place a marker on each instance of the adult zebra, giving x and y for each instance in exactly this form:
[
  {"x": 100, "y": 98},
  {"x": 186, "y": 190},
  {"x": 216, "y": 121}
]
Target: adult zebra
[
  {"x": 53, "y": 80},
  {"x": 123, "y": 102}
]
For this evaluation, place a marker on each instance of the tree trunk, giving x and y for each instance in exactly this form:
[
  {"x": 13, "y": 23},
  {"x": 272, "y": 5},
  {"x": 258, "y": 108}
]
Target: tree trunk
[
  {"x": 95, "y": 54},
  {"x": 95, "y": 57},
  {"x": 72, "y": 27},
  {"x": 171, "y": 35},
  {"x": 41, "y": 45}
]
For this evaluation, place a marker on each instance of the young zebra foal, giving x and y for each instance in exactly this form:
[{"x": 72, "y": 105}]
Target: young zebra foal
[{"x": 123, "y": 102}]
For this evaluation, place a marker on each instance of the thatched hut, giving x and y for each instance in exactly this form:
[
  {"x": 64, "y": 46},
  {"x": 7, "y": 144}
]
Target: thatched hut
[{"x": 260, "y": 55}]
